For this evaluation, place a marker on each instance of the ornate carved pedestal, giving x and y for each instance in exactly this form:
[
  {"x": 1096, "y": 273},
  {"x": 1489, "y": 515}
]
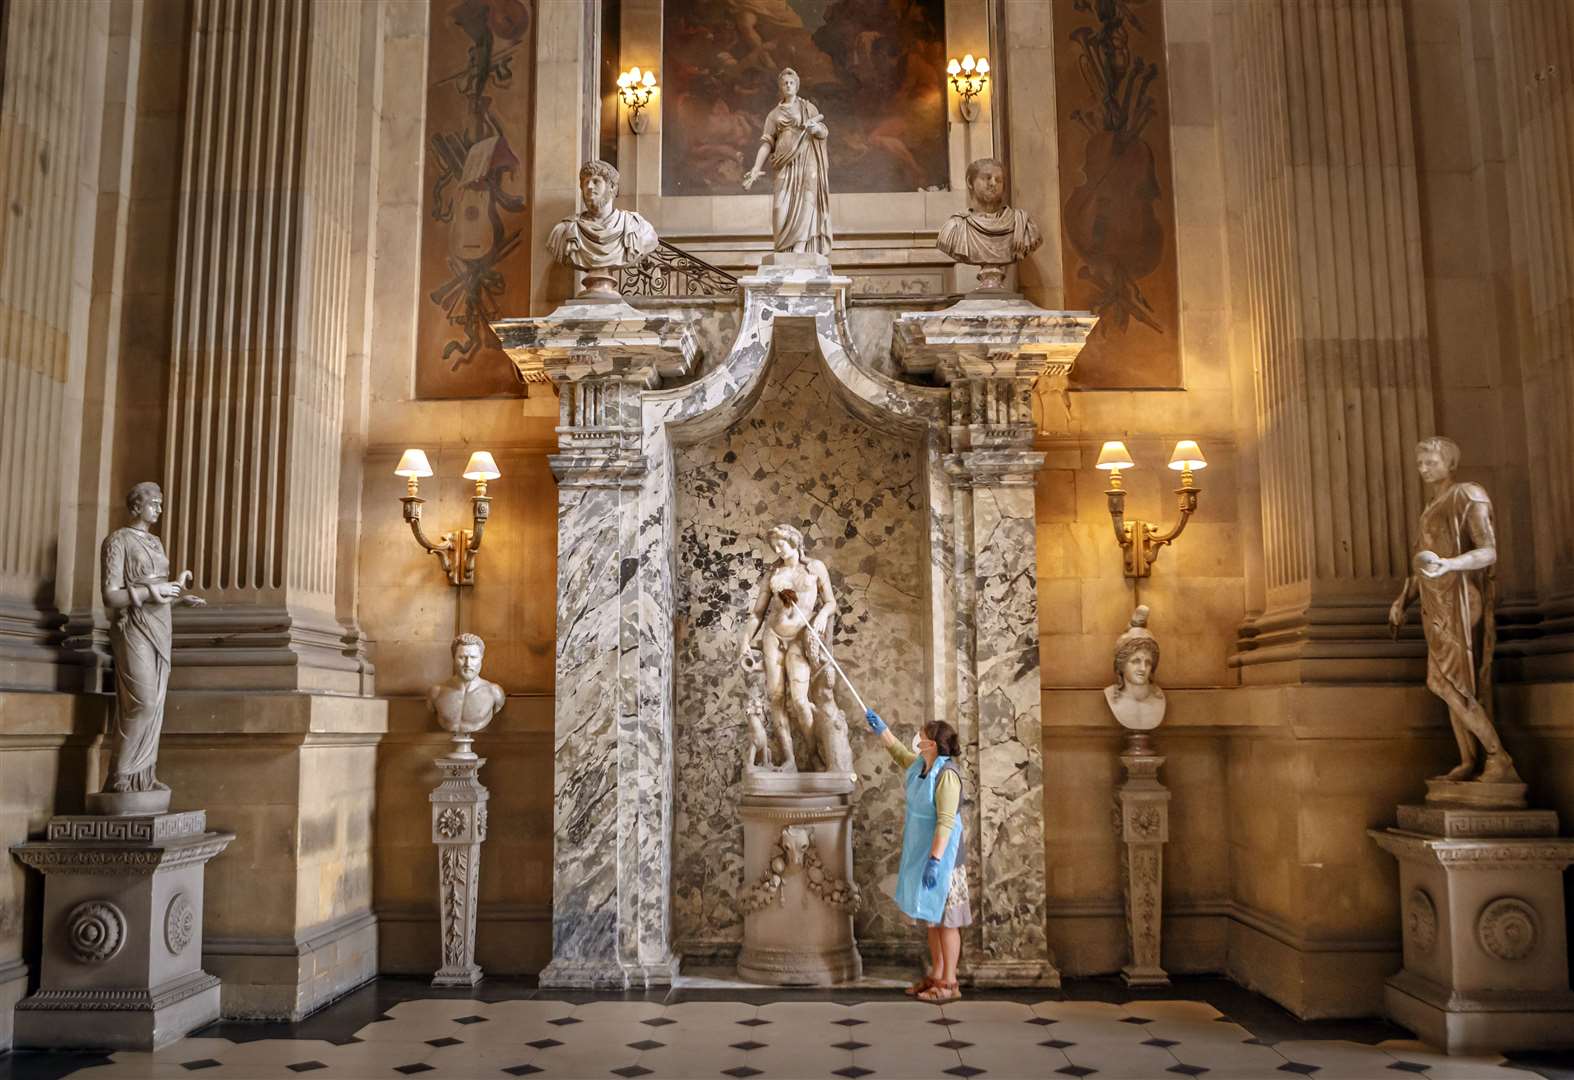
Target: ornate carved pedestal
[
  {"x": 1143, "y": 822},
  {"x": 122, "y": 949},
  {"x": 458, "y": 827},
  {"x": 798, "y": 897},
  {"x": 1485, "y": 950}
]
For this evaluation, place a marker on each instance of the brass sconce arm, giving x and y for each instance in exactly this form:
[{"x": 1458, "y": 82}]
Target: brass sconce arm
[
  {"x": 457, "y": 550},
  {"x": 1140, "y": 541}
]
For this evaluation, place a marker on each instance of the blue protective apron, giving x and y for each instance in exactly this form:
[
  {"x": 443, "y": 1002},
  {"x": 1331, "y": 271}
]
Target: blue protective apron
[{"x": 918, "y": 836}]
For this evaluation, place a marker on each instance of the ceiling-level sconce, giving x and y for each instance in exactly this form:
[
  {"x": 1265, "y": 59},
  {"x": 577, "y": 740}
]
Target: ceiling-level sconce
[
  {"x": 637, "y": 88},
  {"x": 1140, "y": 540},
  {"x": 968, "y": 78},
  {"x": 457, "y": 551}
]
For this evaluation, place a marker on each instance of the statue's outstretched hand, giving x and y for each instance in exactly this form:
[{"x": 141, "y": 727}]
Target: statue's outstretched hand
[
  {"x": 1396, "y": 615},
  {"x": 749, "y": 178}
]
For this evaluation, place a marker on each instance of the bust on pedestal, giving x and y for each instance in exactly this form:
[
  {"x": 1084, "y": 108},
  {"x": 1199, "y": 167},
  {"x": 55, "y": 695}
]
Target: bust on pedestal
[
  {"x": 1480, "y": 876},
  {"x": 464, "y": 704},
  {"x": 122, "y": 949}
]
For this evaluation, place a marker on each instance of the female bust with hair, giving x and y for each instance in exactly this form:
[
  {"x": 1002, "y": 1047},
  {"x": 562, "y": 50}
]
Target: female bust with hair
[
  {"x": 1134, "y": 698},
  {"x": 931, "y": 882},
  {"x": 138, "y": 592}
]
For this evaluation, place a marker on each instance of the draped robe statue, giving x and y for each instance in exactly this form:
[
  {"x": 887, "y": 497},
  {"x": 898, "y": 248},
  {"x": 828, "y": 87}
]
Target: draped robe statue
[{"x": 794, "y": 141}]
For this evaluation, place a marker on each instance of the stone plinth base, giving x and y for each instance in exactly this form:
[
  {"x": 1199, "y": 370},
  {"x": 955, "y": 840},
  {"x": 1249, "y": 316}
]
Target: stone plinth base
[
  {"x": 1485, "y": 948},
  {"x": 798, "y": 898},
  {"x": 458, "y": 828},
  {"x": 122, "y": 929}
]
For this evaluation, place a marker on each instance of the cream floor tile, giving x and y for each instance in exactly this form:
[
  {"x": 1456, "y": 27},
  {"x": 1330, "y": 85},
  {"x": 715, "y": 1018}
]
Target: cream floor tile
[
  {"x": 1121, "y": 1061},
  {"x": 699, "y": 1012},
  {"x": 1214, "y": 1056},
  {"x": 798, "y": 1059},
  {"x": 619, "y": 1011},
  {"x": 381, "y": 1055},
  {"x": 894, "y": 1011},
  {"x": 996, "y": 1011},
  {"x": 1476, "y": 1070},
  {"x": 1079, "y": 1010},
  {"x": 597, "y": 1061},
  {"x": 1175, "y": 1010},
  {"x": 681, "y": 1061},
  {"x": 281, "y": 1051},
  {"x": 1103, "y": 1032},
  {"x": 1210, "y": 1031},
  {"x": 803, "y": 1012},
  {"x": 900, "y": 1062},
  {"x": 1010, "y": 1062},
  {"x": 405, "y": 1029},
  {"x": 183, "y": 1050},
  {"x": 1422, "y": 1053}
]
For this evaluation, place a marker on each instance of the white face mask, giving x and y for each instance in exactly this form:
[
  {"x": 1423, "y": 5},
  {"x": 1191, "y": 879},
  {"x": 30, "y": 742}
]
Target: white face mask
[{"x": 916, "y": 736}]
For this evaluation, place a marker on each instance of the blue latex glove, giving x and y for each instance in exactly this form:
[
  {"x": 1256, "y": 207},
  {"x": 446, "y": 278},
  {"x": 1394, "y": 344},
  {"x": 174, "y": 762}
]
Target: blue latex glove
[
  {"x": 876, "y": 725},
  {"x": 931, "y": 872}
]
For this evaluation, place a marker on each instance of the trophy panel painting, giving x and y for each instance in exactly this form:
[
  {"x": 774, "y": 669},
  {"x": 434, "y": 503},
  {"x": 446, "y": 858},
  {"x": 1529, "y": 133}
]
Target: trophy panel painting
[
  {"x": 475, "y": 236},
  {"x": 874, "y": 68}
]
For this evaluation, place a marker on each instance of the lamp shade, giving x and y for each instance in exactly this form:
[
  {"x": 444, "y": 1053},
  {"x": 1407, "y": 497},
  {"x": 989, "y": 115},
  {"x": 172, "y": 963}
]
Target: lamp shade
[
  {"x": 983, "y": 66},
  {"x": 1187, "y": 455},
  {"x": 413, "y": 463},
  {"x": 1114, "y": 456},
  {"x": 481, "y": 467},
  {"x": 954, "y": 67}
]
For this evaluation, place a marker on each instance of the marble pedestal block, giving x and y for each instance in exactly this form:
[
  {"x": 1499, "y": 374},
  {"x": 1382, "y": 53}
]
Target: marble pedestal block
[
  {"x": 1485, "y": 949},
  {"x": 458, "y": 828},
  {"x": 122, "y": 930},
  {"x": 798, "y": 897},
  {"x": 1143, "y": 822}
]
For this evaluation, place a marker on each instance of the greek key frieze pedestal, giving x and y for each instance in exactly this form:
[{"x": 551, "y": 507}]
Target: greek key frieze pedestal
[
  {"x": 458, "y": 828},
  {"x": 1142, "y": 810},
  {"x": 122, "y": 932},
  {"x": 1482, "y": 916}
]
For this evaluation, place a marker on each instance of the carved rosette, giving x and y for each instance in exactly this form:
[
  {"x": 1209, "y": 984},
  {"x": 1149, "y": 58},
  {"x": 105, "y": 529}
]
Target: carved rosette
[
  {"x": 96, "y": 931},
  {"x": 1421, "y": 921},
  {"x": 1507, "y": 928},
  {"x": 180, "y": 924},
  {"x": 450, "y": 822}
]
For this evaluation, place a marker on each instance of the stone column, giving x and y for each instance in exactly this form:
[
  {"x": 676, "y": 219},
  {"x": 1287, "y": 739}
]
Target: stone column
[
  {"x": 256, "y": 381},
  {"x": 1324, "y": 200},
  {"x": 1142, "y": 821},
  {"x": 990, "y": 353},
  {"x": 458, "y": 828}
]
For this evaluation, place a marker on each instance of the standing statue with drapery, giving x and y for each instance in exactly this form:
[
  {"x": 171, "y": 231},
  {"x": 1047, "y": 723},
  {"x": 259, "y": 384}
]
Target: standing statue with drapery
[{"x": 794, "y": 142}]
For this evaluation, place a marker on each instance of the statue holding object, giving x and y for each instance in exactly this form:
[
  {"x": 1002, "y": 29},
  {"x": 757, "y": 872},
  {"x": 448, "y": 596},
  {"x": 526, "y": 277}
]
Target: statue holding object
[{"x": 794, "y": 141}]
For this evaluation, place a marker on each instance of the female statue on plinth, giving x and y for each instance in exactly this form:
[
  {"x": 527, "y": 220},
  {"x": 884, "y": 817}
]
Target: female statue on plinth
[
  {"x": 794, "y": 141},
  {"x": 138, "y": 592},
  {"x": 1453, "y": 577}
]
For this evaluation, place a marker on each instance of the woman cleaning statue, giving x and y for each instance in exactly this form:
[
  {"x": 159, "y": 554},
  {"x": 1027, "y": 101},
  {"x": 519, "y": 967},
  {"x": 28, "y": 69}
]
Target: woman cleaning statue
[
  {"x": 794, "y": 141},
  {"x": 931, "y": 883}
]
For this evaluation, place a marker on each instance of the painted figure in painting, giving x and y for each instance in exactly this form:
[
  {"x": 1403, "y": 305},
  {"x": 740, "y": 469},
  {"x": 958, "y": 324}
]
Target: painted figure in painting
[
  {"x": 992, "y": 235},
  {"x": 138, "y": 592},
  {"x": 791, "y": 617},
  {"x": 601, "y": 240},
  {"x": 1134, "y": 698},
  {"x": 1454, "y": 579},
  {"x": 794, "y": 143}
]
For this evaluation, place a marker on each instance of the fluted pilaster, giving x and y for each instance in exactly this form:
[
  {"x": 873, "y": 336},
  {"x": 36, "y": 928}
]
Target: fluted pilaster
[
  {"x": 260, "y": 323},
  {"x": 1324, "y": 181}
]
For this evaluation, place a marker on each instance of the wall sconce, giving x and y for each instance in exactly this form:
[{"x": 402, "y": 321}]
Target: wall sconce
[
  {"x": 1140, "y": 540},
  {"x": 968, "y": 77},
  {"x": 457, "y": 552},
  {"x": 636, "y": 88}
]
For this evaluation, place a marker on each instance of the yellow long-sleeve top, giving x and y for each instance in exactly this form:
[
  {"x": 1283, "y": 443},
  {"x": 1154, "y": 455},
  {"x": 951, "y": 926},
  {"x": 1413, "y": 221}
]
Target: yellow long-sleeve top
[{"x": 948, "y": 791}]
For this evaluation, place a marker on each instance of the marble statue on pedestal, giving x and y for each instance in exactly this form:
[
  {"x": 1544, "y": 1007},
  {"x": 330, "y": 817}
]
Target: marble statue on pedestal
[
  {"x": 465, "y": 703},
  {"x": 1453, "y": 576},
  {"x": 601, "y": 240},
  {"x": 138, "y": 592},
  {"x": 1134, "y": 698},
  {"x": 790, "y": 627},
  {"x": 992, "y": 235},
  {"x": 794, "y": 141}
]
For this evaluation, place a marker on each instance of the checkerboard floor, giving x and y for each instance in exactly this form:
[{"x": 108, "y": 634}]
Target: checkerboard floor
[{"x": 400, "y": 1028}]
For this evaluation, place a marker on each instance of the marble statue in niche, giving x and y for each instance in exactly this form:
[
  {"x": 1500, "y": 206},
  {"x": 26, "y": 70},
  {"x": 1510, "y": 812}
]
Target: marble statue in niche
[
  {"x": 992, "y": 235},
  {"x": 1453, "y": 577},
  {"x": 138, "y": 591},
  {"x": 789, "y": 625},
  {"x": 794, "y": 142},
  {"x": 1134, "y": 698},
  {"x": 601, "y": 240},
  {"x": 465, "y": 703}
]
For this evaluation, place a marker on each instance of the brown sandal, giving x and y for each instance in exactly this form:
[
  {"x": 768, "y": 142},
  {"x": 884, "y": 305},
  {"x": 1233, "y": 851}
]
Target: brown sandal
[
  {"x": 920, "y": 986},
  {"x": 941, "y": 993}
]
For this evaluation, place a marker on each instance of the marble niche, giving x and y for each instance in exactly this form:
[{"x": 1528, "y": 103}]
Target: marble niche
[{"x": 916, "y": 490}]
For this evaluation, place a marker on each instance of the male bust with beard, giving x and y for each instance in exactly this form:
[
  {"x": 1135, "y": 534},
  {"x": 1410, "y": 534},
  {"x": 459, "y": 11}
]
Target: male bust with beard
[
  {"x": 992, "y": 236},
  {"x": 600, "y": 240}
]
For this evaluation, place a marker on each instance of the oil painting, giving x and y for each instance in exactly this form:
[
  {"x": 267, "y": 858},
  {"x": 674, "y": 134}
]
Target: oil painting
[
  {"x": 1117, "y": 196},
  {"x": 876, "y": 67},
  {"x": 475, "y": 260}
]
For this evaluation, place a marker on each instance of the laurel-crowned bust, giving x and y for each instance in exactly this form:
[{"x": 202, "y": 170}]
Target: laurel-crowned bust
[
  {"x": 992, "y": 235},
  {"x": 600, "y": 240},
  {"x": 1134, "y": 698},
  {"x": 465, "y": 703}
]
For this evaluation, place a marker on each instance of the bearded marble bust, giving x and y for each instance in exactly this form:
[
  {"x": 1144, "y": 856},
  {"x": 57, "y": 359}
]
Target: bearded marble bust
[
  {"x": 600, "y": 240},
  {"x": 993, "y": 235},
  {"x": 465, "y": 703},
  {"x": 1134, "y": 698}
]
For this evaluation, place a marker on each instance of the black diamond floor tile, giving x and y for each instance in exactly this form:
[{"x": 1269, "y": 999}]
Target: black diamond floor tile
[
  {"x": 522, "y": 1070},
  {"x": 1057, "y": 1044},
  {"x": 965, "y": 1071},
  {"x": 646, "y": 1044},
  {"x": 563, "y": 1021},
  {"x": 740, "y": 1071},
  {"x": 1164, "y": 1043},
  {"x": 754, "y": 1021},
  {"x": 850, "y": 1021},
  {"x": 946, "y": 1020},
  {"x": 749, "y": 1044},
  {"x": 657, "y": 1021},
  {"x": 544, "y": 1044},
  {"x": 1135, "y": 1020},
  {"x": 200, "y": 1063},
  {"x": 632, "y": 1070},
  {"x": 1408, "y": 1066},
  {"x": 853, "y": 1072},
  {"x": 1254, "y": 1041},
  {"x": 306, "y": 1066},
  {"x": 1187, "y": 1070},
  {"x": 953, "y": 1044},
  {"x": 1041, "y": 1021},
  {"x": 471, "y": 1019},
  {"x": 1299, "y": 1067},
  {"x": 413, "y": 1068},
  {"x": 1076, "y": 1070},
  {"x": 445, "y": 1041},
  {"x": 850, "y": 1044}
]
